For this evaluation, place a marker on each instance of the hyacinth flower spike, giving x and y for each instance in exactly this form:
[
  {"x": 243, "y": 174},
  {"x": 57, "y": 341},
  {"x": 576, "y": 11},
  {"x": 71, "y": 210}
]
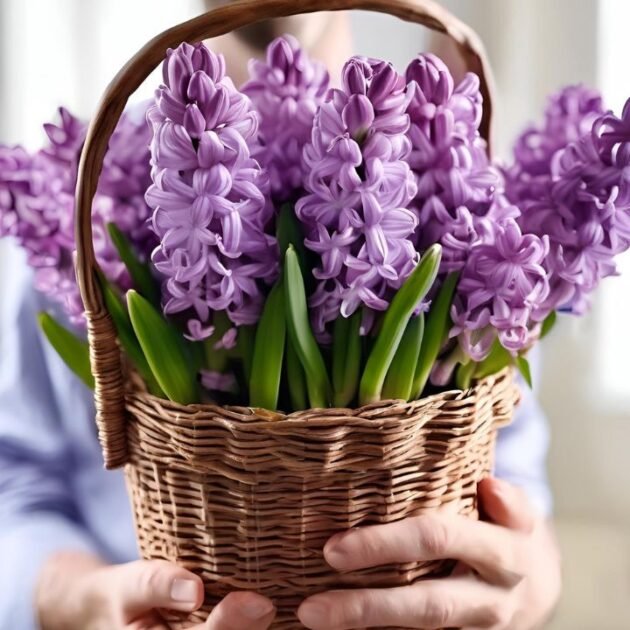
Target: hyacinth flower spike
[
  {"x": 286, "y": 89},
  {"x": 456, "y": 184},
  {"x": 498, "y": 297},
  {"x": 209, "y": 198},
  {"x": 580, "y": 198},
  {"x": 37, "y": 207},
  {"x": 355, "y": 210}
]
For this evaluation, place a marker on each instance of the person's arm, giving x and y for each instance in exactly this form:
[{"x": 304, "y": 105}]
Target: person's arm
[
  {"x": 37, "y": 514},
  {"x": 522, "y": 447}
]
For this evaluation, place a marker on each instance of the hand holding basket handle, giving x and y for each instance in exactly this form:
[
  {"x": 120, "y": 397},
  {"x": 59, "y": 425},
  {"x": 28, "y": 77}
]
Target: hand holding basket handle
[{"x": 105, "y": 355}]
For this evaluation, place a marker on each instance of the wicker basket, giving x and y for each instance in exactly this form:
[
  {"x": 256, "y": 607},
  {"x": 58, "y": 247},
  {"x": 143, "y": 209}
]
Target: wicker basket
[{"x": 244, "y": 497}]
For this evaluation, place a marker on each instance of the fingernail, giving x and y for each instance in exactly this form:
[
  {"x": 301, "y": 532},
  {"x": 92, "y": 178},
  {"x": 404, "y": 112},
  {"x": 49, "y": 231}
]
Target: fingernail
[
  {"x": 184, "y": 591},
  {"x": 257, "y": 608},
  {"x": 313, "y": 614}
]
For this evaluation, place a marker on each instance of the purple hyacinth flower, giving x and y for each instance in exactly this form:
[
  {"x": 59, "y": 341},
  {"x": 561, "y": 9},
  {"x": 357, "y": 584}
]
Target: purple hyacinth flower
[
  {"x": 455, "y": 180},
  {"x": 569, "y": 116},
  {"x": 358, "y": 189},
  {"x": 217, "y": 381},
  {"x": 209, "y": 195},
  {"x": 286, "y": 89},
  {"x": 36, "y": 210},
  {"x": 500, "y": 290},
  {"x": 37, "y": 206},
  {"x": 569, "y": 180},
  {"x": 587, "y": 214}
]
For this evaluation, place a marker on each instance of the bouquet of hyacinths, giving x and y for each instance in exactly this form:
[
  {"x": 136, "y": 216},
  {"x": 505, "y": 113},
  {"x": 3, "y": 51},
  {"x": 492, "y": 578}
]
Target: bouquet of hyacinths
[{"x": 289, "y": 245}]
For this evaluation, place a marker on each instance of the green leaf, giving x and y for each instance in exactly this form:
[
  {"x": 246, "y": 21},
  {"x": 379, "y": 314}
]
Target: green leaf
[
  {"x": 395, "y": 321},
  {"x": 523, "y": 367},
  {"x": 464, "y": 374},
  {"x": 74, "y": 352},
  {"x": 400, "y": 377},
  {"x": 548, "y": 324},
  {"x": 317, "y": 382},
  {"x": 498, "y": 359},
  {"x": 127, "y": 337},
  {"x": 295, "y": 379},
  {"x": 163, "y": 348},
  {"x": 264, "y": 385},
  {"x": 143, "y": 280},
  {"x": 435, "y": 333},
  {"x": 346, "y": 358}
]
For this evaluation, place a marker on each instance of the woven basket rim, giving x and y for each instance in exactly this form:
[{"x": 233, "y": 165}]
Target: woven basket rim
[{"x": 255, "y": 415}]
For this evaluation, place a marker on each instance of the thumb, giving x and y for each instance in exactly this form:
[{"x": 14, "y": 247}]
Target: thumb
[
  {"x": 506, "y": 505},
  {"x": 147, "y": 584}
]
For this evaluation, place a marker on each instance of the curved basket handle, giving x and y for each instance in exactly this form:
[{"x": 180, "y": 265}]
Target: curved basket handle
[{"x": 104, "y": 351}]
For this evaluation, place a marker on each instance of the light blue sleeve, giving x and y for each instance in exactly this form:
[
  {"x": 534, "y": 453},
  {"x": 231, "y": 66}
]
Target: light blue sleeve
[
  {"x": 37, "y": 513},
  {"x": 522, "y": 449}
]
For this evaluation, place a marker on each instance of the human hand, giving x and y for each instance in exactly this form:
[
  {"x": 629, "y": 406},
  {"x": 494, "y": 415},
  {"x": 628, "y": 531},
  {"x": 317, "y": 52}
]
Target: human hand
[
  {"x": 130, "y": 596},
  {"x": 508, "y": 576}
]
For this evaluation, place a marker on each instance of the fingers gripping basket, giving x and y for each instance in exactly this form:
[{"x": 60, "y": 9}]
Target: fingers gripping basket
[{"x": 247, "y": 498}]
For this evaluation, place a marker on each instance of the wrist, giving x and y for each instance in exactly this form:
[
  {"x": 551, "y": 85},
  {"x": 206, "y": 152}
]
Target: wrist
[{"x": 62, "y": 594}]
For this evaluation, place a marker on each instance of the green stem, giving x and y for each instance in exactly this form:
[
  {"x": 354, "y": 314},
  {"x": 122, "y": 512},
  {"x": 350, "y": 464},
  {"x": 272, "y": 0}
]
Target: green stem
[
  {"x": 296, "y": 379},
  {"x": 346, "y": 359},
  {"x": 245, "y": 347},
  {"x": 302, "y": 338},
  {"x": 435, "y": 334},
  {"x": 464, "y": 374},
  {"x": 395, "y": 321},
  {"x": 399, "y": 380},
  {"x": 497, "y": 359},
  {"x": 264, "y": 385},
  {"x": 217, "y": 358}
]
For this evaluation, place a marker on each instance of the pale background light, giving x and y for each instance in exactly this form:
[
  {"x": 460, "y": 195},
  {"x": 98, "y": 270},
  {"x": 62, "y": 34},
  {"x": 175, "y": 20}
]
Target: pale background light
[{"x": 64, "y": 52}]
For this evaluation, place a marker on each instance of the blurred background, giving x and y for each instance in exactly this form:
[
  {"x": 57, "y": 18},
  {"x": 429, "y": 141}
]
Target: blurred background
[{"x": 64, "y": 52}]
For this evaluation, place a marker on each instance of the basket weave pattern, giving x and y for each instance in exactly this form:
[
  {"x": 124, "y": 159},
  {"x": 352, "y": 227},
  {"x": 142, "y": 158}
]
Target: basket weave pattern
[
  {"x": 247, "y": 501},
  {"x": 247, "y": 498}
]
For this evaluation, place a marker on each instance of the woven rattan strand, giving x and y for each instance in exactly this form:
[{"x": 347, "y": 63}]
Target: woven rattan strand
[{"x": 247, "y": 502}]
